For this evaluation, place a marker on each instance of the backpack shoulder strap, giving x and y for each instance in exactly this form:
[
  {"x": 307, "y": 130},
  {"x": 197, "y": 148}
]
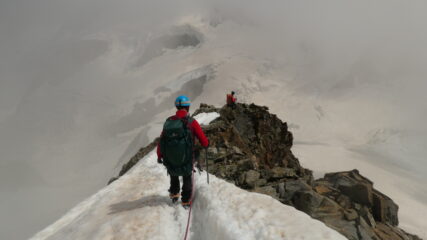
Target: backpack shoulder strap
[
  {"x": 185, "y": 121},
  {"x": 190, "y": 119}
]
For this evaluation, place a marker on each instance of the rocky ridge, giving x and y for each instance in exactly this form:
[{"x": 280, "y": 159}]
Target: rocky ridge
[{"x": 252, "y": 149}]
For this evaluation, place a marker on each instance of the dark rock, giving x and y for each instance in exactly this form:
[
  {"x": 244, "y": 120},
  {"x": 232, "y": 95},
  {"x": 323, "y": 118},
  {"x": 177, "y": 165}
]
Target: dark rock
[
  {"x": 316, "y": 205},
  {"x": 344, "y": 201},
  {"x": 350, "y": 215},
  {"x": 245, "y": 165},
  {"x": 365, "y": 231},
  {"x": 352, "y": 184},
  {"x": 286, "y": 190},
  {"x": 261, "y": 182},
  {"x": 385, "y": 231},
  {"x": 296, "y": 186},
  {"x": 237, "y": 150},
  {"x": 346, "y": 228},
  {"x": 205, "y": 108},
  {"x": 384, "y": 209},
  {"x": 280, "y": 172},
  {"x": 112, "y": 180},
  {"x": 249, "y": 178},
  {"x": 322, "y": 189},
  {"x": 140, "y": 154},
  {"x": 267, "y": 190},
  {"x": 281, "y": 190},
  {"x": 367, "y": 216}
]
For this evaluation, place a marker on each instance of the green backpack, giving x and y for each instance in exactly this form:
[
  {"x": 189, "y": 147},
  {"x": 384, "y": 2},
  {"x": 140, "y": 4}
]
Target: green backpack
[{"x": 176, "y": 144}]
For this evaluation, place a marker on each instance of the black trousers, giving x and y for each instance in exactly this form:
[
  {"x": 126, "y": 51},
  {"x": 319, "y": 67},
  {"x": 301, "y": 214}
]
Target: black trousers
[{"x": 187, "y": 187}]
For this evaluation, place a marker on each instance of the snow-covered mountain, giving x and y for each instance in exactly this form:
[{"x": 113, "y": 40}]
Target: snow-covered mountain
[
  {"x": 85, "y": 84},
  {"x": 137, "y": 206}
]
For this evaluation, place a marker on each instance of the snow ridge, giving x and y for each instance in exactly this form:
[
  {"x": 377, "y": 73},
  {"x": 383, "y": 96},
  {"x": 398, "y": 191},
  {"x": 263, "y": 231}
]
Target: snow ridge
[{"x": 136, "y": 206}]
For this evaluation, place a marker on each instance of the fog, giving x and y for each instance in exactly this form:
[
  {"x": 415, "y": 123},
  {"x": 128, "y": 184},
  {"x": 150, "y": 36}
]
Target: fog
[{"x": 84, "y": 84}]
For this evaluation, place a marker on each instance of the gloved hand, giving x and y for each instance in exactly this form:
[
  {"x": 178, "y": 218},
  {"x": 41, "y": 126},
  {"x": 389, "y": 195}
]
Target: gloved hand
[{"x": 159, "y": 161}]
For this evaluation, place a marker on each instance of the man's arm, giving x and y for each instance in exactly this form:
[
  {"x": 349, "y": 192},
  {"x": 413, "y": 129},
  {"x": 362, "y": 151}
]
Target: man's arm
[{"x": 198, "y": 132}]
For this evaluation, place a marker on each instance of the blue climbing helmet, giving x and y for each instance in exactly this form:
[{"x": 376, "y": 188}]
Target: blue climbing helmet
[{"x": 182, "y": 101}]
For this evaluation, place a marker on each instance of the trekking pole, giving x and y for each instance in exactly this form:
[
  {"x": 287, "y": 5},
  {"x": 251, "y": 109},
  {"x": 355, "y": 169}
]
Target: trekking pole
[{"x": 207, "y": 164}]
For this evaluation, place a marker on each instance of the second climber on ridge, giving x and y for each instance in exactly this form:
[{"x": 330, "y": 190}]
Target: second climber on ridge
[
  {"x": 231, "y": 100},
  {"x": 176, "y": 149}
]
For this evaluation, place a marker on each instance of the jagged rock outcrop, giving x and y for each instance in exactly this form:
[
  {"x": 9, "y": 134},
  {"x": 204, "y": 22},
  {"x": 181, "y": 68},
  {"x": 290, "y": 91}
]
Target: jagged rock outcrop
[
  {"x": 249, "y": 138},
  {"x": 252, "y": 149}
]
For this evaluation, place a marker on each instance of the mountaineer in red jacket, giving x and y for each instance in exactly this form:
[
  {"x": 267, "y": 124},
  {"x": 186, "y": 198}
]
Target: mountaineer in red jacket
[
  {"x": 231, "y": 100},
  {"x": 176, "y": 149}
]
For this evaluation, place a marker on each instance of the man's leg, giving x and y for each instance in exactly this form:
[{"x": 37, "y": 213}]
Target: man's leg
[
  {"x": 174, "y": 187},
  {"x": 187, "y": 188}
]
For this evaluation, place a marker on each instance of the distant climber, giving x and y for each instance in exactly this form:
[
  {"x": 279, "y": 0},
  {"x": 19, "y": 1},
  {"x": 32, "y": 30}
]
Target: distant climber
[
  {"x": 231, "y": 100},
  {"x": 176, "y": 149}
]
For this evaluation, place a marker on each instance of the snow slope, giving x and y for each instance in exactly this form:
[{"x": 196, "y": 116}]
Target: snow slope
[{"x": 137, "y": 206}]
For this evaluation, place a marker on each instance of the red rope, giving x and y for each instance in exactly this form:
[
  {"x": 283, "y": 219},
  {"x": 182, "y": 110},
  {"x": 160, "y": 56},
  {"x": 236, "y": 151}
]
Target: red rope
[{"x": 191, "y": 204}]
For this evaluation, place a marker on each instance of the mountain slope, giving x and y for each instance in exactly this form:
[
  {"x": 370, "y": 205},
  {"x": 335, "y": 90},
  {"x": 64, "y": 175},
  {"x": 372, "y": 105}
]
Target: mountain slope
[
  {"x": 251, "y": 148},
  {"x": 84, "y": 86},
  {"x": 136, "y": 206}
]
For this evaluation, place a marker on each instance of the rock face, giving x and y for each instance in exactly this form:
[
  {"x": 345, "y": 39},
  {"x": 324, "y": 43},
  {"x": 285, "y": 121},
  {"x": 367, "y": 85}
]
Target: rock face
[
  {"x": 249, "y": 138},
  {"x": 252, "y": 149}
]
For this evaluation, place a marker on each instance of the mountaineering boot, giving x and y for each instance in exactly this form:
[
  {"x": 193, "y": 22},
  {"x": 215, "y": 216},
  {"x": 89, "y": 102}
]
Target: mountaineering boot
[
  {"x": 174, "y": 197},
  {"x": 186, "y": 205}
]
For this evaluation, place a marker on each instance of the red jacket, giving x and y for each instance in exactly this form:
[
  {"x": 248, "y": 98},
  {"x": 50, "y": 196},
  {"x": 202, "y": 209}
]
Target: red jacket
[
  {"x": 231, "y": 99},
  {"x": 195, "y": 128}
]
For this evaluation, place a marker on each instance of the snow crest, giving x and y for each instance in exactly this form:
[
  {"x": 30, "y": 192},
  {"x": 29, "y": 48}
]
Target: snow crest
[{"x": 136, "y": 206}]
